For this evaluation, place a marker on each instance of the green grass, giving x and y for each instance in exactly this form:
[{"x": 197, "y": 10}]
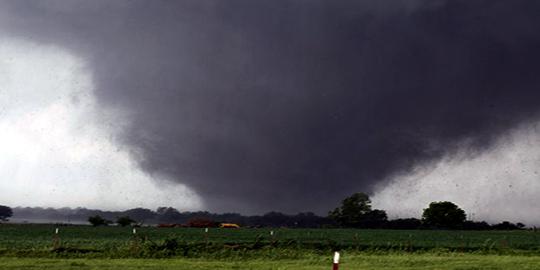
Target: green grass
[
  {"x": 449, "y": 261},
  {"x": 25, "y": 237},
  {"x": 83, "y": 247}
]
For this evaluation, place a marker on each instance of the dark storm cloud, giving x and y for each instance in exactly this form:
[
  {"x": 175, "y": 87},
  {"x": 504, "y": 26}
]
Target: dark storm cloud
[{"x": 292, "y": 105}]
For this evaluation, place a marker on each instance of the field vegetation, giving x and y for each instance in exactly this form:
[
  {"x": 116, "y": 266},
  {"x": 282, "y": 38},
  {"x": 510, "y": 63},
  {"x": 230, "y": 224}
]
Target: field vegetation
[
  {"x": 32, "y": 246},
  {"x": 86, "y": 241},
  {"x": 363, "y": 235}
]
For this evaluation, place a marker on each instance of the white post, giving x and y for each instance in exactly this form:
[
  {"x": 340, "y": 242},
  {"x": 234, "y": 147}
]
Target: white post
[
  {"x": 206, "y": 235},
  {"x": 336, "y": 261},
  {"x": 134, "y": 231},
  {"x": 56, "y": 239}
]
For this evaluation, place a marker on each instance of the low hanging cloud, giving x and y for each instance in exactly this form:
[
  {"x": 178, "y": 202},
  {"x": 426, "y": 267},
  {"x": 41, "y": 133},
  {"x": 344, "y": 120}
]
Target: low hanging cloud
[
  {"x": 496, "y": 185},
  {"x": 293, "y": 105},
  {"x": 53, "y": 151}
]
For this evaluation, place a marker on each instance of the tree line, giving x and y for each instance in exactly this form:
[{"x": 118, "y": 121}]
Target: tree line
[
  {"x": 168, "y": 215},
  {"x": 354, "y": 211}
]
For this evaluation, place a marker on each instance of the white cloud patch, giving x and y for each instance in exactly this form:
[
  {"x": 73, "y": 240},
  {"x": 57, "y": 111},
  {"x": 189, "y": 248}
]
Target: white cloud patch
[
  {"x": 500, "y": 184},
  {"x": 53, "y": 152}
]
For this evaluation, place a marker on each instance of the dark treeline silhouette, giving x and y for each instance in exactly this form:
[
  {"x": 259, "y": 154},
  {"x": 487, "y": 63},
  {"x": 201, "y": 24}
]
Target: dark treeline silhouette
[
  {"x": 168, "y": 215},
  {"x": 356, "y": 212},
  {"x": 5, "y": 212}
]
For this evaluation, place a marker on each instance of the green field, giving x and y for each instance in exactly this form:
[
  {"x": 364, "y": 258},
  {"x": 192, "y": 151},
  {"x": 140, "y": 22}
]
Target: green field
[
  {"x": 354, "y": 261},
  {"x": 84, "y": 247}
]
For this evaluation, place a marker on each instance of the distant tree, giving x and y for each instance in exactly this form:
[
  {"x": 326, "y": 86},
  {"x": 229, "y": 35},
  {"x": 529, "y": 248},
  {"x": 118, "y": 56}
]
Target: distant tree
[
  {"x": 351, "y": 210},
  {"x": 125, "y": 221},
  {"x": 355, "y": 211},
  {"x": 374, "y": 219},
  {"x": 5, "y": 213},
  {"x": 508, "y": 226},
  {"x": 443, "y": 215},
  {"x": 97, "y": 220}
]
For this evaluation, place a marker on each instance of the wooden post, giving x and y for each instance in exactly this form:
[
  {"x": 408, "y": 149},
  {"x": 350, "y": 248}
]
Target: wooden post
[
  {"x": 56, "y": 239},
  {"x": 335, "y": 265}
]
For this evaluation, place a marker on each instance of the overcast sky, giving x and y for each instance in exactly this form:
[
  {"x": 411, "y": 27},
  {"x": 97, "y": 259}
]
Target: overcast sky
[{"x": 251, "y": 106}]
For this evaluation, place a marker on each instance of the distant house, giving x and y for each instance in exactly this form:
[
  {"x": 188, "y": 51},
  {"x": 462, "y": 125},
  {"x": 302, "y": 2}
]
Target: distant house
[{"x": 229, "y": 225}]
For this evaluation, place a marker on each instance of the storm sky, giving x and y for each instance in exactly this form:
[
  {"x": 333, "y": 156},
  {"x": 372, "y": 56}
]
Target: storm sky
[{"x": 251, "y": 106}]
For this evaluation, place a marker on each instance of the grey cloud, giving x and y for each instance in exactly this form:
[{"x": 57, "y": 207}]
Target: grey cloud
[{"x": 292, "y": 105}]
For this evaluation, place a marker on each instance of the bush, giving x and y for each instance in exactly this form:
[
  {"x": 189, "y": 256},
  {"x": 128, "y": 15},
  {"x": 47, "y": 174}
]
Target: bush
[
  {"x": 125, "y": 221},
  {"x": 97, "y": 220},
  {"x": 508, "y": 226}
]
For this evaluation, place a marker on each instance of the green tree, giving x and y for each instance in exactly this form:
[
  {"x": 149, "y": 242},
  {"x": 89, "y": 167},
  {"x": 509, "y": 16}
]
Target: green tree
[
  {"x": 374, "y": 219},
  {"x": 124, "y": 221},
  {"x": 355, "y": 211},
  {"x": 97, "y": 220},
  {"x": 5, "y": 213},
  {"x": 443, "y": 215}
]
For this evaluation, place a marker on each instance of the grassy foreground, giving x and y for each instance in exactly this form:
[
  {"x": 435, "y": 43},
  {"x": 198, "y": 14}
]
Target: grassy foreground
[
  {"x": 445, "y": 261},
  {"x": 28, "y": 246}
]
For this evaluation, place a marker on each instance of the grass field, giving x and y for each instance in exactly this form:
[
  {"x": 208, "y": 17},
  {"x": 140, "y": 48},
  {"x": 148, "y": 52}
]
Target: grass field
[
  {"x": 354, "y": 261},
  {"x": 83, "y": 247},
  {"x": 36, "y": 237}
]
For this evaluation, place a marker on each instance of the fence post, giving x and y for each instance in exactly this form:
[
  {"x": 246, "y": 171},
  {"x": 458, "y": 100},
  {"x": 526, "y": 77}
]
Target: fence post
[
  {"x": 135, "y": 241},
  {"x": 335, "y": 265},
  {"x": 56, "y": 239}
]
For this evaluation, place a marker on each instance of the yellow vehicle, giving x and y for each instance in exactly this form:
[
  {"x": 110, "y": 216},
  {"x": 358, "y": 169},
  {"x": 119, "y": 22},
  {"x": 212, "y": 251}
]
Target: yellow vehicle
[{"x": 229, "y": 225}]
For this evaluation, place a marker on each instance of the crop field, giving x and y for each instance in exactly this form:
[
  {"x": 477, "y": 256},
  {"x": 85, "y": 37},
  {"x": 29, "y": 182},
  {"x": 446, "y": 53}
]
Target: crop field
[{"x": 83, "y": 247}]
